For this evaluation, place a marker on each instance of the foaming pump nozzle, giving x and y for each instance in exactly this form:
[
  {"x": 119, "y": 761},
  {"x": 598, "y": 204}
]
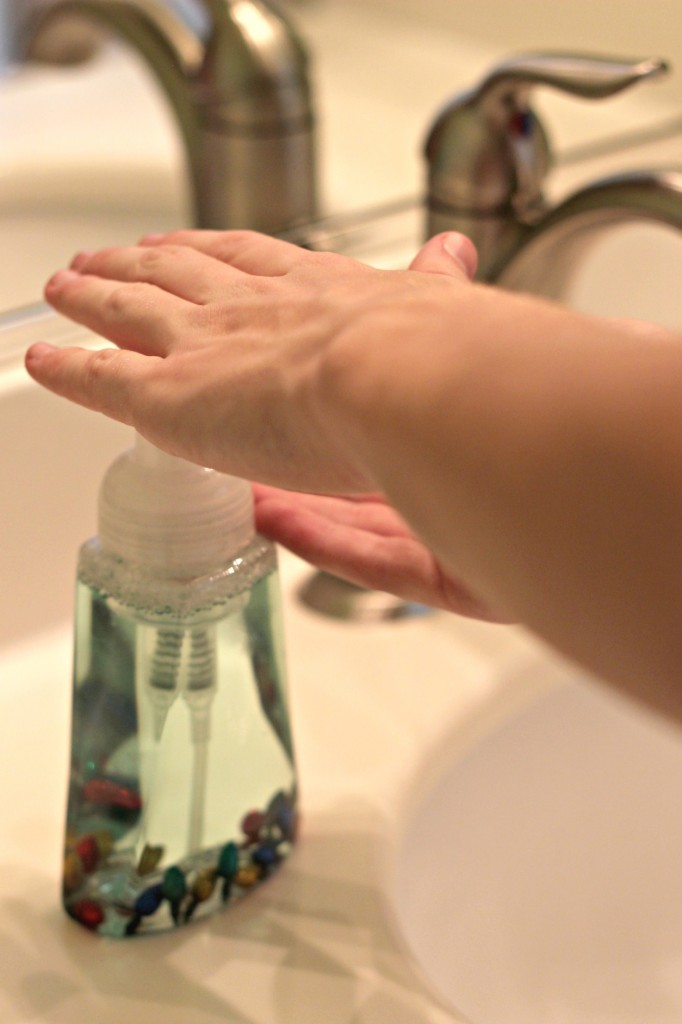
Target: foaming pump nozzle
[{"x": 166, "y": 514}]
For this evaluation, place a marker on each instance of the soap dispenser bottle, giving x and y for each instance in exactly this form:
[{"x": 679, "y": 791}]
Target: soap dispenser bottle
[{"x": 182, "y": 788}]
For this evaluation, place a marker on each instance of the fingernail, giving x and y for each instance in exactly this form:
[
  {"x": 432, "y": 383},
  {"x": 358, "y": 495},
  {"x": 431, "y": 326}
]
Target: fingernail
[
  {"x": 461, "y": 249},
  {"x": 62, "y": 277},
  {"x": 152, "y": 239},
  {"x": 80, "y": 258},
  {"x": 37, "y": 351}
]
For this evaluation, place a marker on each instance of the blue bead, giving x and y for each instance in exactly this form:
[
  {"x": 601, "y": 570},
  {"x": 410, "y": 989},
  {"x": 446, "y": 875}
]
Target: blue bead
[
  {"x": 265, "y": 855},
  {"x": 281, "y": 812},
  {"x": 149, "y": 901}
]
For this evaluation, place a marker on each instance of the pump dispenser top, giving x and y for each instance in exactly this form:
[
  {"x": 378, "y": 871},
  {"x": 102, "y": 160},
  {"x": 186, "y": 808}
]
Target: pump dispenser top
[{"x": 172, "y": 516}]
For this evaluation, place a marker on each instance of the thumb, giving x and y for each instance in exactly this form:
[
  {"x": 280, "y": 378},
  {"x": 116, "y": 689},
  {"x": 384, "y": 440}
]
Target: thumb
[{"x": 448, "y": 253}]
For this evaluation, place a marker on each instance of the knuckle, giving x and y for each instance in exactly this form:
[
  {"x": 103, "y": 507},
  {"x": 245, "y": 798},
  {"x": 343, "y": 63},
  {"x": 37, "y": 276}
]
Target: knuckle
[
  {"x": 152, "y": 259},
  {"x": 231, "y": 243},
  {"x": 122, "y": 298},
  {"x": 328, "y": 260},
  {"x": 242, "y": 237},
  {"x": 214, "y": 320},
  {"x": 100, "y": 367}
]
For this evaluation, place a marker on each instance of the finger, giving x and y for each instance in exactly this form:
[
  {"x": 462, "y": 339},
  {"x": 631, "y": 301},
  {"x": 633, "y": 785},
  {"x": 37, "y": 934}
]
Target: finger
[
  {"x": 398, "y": 565},
  {"x": 449, "y": 253},
  {"x": 137, "y": 316},
  {"x": 360, "y": 511},
  {"x": 395, "y": 562},
  {"x": 246, "y": 250},
  {"x": 106, "y": 380},
  {"x": 353, "y": 551},
  {"x": 180, "y": 270}
]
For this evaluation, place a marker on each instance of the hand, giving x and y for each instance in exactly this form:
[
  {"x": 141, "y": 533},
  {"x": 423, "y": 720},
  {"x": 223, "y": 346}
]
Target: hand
[
  {"x": 225, "y": 340},
  {"x": 219, "y": 335},
  {"x": 365, "y": 541}
]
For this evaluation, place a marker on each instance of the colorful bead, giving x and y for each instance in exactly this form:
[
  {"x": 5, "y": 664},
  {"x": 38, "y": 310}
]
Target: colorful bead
[
  {"x": 108, "y": 793},
  {"x": 228, "y": 861},
  {"x": 248, "y": 875},
  {"x": 149, "y": 901},
  {"x": 73, "y": 873},
  {"x": 265, "y": 855},
  {"x": 174, "y": 884},
  {"x": 88, "y": 851},
  {"x": 182, "y": 887},
  {"x": 252, "y": 823},
  {"x": 204, "y": 884},
  {"x": 88, "y": 913},
  {"x": 105, "y": 842},
  {"x": 281, "y": 813},
  {"x": 149, "y": 858}
]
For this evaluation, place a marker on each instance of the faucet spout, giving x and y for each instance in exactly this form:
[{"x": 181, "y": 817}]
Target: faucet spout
[
  {"x": 236, "y": 76},
  {"x": 550, "y": 252}
]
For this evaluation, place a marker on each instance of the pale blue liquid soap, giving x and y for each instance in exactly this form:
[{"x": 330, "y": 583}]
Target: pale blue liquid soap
[{"x": 182, "y": 790}]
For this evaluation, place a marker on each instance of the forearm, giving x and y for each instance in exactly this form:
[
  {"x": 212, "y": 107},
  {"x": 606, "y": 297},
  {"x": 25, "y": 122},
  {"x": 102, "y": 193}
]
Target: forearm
[{"x": 539, "y": 453}]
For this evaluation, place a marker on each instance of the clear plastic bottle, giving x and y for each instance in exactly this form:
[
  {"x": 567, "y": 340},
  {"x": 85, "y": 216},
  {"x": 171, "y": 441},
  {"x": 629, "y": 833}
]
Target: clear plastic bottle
[{"x": 182, "y": 791}]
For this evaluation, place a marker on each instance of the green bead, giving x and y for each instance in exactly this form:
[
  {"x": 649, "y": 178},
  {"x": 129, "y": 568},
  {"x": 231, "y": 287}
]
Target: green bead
[
  {"x": 174, "y": 884},
  {"x": 228, "y": 861}
]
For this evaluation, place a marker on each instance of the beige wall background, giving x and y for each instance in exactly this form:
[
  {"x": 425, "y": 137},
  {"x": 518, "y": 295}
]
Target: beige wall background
[{"x": 632, "y": 28}]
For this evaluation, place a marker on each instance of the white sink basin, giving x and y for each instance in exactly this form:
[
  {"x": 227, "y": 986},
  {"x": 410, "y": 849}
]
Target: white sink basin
[
  {"x": 72, "y": 185},
  {"x": 539, "y": 880}
]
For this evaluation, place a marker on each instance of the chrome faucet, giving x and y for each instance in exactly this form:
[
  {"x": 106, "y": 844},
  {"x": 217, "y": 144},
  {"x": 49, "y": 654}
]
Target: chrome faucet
[
  {"x": 488, "y": 156},
  {"x": 235, "y": 73}
]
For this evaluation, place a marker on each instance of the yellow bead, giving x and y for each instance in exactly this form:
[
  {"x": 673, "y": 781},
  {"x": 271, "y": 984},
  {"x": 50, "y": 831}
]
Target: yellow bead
[
  {"x": 73, "y": 871},
  {"x": 204, "y": 884},
  {"x": 149, "y": 858},
  {"x": 105, "y": 842},
  {"x": 248, "y": 875}
]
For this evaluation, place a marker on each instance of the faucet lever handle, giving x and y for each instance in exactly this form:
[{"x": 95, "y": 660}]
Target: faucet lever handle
[{"x": 585, "y": 76}]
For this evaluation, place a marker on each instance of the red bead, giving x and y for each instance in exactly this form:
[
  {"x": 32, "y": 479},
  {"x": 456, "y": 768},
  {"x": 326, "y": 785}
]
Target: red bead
[
  {"x": 252, "y": 823},
  {"x": 88, "y": 913},
  {"x": 110, "y": 794},
  {"x": 88, "y": 851}
]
